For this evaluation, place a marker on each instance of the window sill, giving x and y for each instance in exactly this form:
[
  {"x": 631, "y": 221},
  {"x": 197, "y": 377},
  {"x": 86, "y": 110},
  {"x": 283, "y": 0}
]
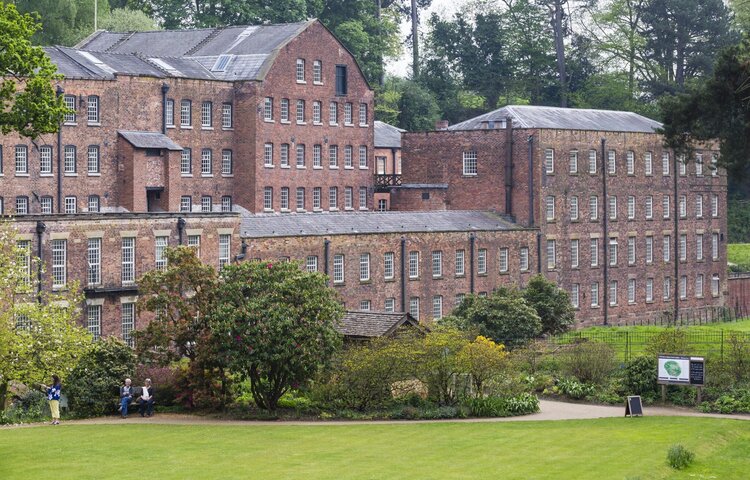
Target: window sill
[
  {"x": 21, "y": 174},
  {"x": 319, "y": 124},
  {"x": 301, "y": 167},
  {"x": 364, "y": 125},
  {"x": 348, "y": 168},
  {"x": 301, "y": 123},
  {"x": 171, "y": 127},
  {"x": 483, "y": 274},
  {"x": 469, "y": 175},
  {"x": 333, "y": 167},
  {"x": 365, "y": 282},
  {"x": 364, "y": 168},
  {"x": 227, "y": 175},
  {"x": 268, "y": 210},
  {"x": 333, "y": 124},
  {"x": 94, "y": 124},
  {"x": 70, "y": 124},
  {"x": 284, "y": 166},
  {"x": 207, "y": 128},
  {"x": 363, "y": 209},
  {"x": 301, "y": 82},
  {"x": 348, "y": 209},
  {"x": 317, "y": 209},
  {"x": 94, "y": 174},
  {"x": 207, "y": 175},
  {"x": 43, "y": 175},
  {"x": 317, "y": 83},
  {"x": 317, "y": 167},
  {"x": 269, "y": 121},
  {"x": 348, "y": 124},
  {"x": 285, "y": 210},
  {"x": 186, "y": 175},
  {"x": 596, "y": 306},
  {"x": 186, "y": 127},
  {"x": 70, "y": 175},
  {"x": 333, "y": 209},
  {"x": 228, "y": 129},
  {"x": 284, "y": 122}
]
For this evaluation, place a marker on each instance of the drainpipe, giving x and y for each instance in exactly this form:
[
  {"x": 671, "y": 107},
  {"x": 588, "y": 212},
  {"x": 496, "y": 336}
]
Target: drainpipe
[
  {"x": 164, "y": 90},
  {"x": 403, "y": 274},
  {"x": 538, "y": 252},
  {"x": 530, "y": 141},
  {"x": 472, "y": 245},
  {"x": 59, "y": 93},
  {"x": 509, "y": 166},
  {"x": 326, "y": 255},
  {"x": 180, "y": 229},
  {"x": 605, "y": 223},
  {"x": 40, "y": 228}
]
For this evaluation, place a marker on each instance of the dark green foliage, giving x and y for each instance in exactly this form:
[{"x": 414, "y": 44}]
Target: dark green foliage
[
  {"x": 574, "y": 389},
  {"x": 551, "y": 303},
  {"x": 92, "y": 386},
  {"x": 65, "y": 22},
  {"x": 738, "y": 222},
  {"x": 32, "y": 406},
  {"x": 589, "y": 362},
  {"x": 406, "y": 104},
  {"x": 523, "y": 404},
  {"x": 640, "y": 376},
  {"x": 679, "y": 457},
  {"x": 670, "y": 341}
]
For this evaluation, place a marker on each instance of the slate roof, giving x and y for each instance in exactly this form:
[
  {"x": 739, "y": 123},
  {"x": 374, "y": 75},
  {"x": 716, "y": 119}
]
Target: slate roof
[
  {"x": 177, "y": 53},
  {"x": 362, "y": 324},
  {"x": 149, "y": 140},
  {"x": 525, "y": 116},
  {"x": 266, "y": 225},
  {"x": 387, "y": 136}
]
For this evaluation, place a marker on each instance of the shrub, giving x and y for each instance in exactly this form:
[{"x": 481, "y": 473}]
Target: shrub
[
  {"x": 484, "y": 360},
  {"x": 738, "y": 357},
  {"x": 669, "y": 341},
  {"x": 574, "y": 389},
  {"x": 31, "y": 406},
  {"x": 92, "y": 385},
  {"x": 522, "y": 404},
  {"x": 589, "y": 362},
  {"x": 164, "y": 380},
  {"x": 640, "y": 376},
  {"x": 551, "y": 303},
  {"x": 679, "y": 457}
]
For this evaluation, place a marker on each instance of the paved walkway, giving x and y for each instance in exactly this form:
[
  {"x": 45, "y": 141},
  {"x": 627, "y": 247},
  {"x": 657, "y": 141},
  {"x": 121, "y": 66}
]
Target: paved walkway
[{"x": 550, "y": 410}]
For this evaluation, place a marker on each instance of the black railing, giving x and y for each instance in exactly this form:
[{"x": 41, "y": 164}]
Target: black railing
[{"x": 387, "y": 180}]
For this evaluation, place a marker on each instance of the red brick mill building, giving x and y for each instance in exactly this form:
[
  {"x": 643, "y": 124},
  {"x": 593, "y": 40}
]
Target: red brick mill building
[{"x": 259, "y": 142}]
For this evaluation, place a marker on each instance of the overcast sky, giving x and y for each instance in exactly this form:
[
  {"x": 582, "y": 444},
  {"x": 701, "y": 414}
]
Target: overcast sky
[{"x": 444, "y": 8}]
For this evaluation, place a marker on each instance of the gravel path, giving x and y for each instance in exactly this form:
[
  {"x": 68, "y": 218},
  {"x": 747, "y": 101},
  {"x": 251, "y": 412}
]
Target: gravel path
[{"x": 550, "y": 410}]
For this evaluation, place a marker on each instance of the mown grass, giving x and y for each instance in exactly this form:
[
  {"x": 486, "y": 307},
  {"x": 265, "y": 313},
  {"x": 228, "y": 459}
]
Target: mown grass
[
  {"x": 739, "y": 253},
  {"x": 738, "y": 326},
  {"x": 578, "y": 449}
]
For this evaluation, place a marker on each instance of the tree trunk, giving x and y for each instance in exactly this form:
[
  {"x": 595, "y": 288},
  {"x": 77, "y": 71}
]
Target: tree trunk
[
  {"x": 3, "y": 395},
  {"x": 415, "y": 39},
  {"x": 558, "y": 28}
]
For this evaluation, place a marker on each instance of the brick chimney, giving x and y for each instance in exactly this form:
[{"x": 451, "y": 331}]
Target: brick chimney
[{"x": 442, "y": 125}]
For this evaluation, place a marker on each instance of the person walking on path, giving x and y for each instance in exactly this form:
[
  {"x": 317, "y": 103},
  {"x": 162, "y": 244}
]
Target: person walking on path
[
  {"x": 126, "y": 395},
  {"x": 53, "y": 397}
]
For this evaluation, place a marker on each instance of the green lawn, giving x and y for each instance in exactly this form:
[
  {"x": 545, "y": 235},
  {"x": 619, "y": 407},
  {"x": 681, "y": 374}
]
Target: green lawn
[
  {"x": 739, "y": 253},
  {"x": 621, "y": 448},
  {"x": 738, "y": 326}
]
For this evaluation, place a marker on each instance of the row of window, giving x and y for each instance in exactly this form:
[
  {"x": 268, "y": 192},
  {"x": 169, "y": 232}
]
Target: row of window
[
  {"x": 613, "y": 250},
  {"x": 206, "y": 162},
  {"x": 206, "y": 204},
  {"x": 576, "y": 295},
  {"x": 46, "y": 204},
  {"x": 127, "y": 321},
  {"x": 630, "y": 163},
  {"x": 575, "y": 207},
  {"x": 127, "y": 257},
  {"x": 300, "y": 113},
  {"x": 317, "y": 75},
  {"x": 70, "y": 160},
  {"x": 317, "y": 198},
  {"x": 93, "y": 110},
  {"x": 207, "y": 114},
  {"x": 300, "y": 156}
]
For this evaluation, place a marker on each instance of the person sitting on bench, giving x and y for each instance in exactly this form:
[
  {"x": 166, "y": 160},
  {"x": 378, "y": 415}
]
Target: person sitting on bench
[
  {"x": 146, "y": 400},
  {"x": 126, "y": 395}
]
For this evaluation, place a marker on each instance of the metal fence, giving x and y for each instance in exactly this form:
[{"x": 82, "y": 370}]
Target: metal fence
[
  {"x": 627, "y": 344},
  {"x": 690, "y": 317}
]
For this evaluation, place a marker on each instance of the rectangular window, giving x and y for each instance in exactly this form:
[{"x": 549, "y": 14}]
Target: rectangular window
[
  {"x": 594, "y": 249},
  {"x": 413, "y": 265},
  {"x": 611, "y": 162},
  {"x": 186, "y": 203},
  {"x": 631, "y": 207},
  {"x": 364, "y": 267},
  {"x": 284, "y": 203},
  {"x": 649, "y": 207},
  {"x": 714, "y": 246},
  {"x": 128, "y": 323},
  {"x": 665, "y": 170},
  {"x": 169, "y": 113},
  {"x": 665, "y": 206},
  {"x": 333, "y": 156},
  {"x": 613, "y": 208},
  {"x": 92, "y": 110},
  {"x": 699, "y": 206},
  {"x": 630, "y": 162},
  {"x": 388, "y": 265},
  {"x": 363, "y": 198},
  {"x": 227, "y": 167},
  {"x": 390, "y": 305},
  {"x": 714, "y": 205},
  {"x": 300, "y": 155},
  {"x": 363, "y": 156},
  {"x": 268, "y": 198},
  {"x": 348, "y": 119},
  {"x": 46, "y": 204},
  {"x": 268, "y": 109},
  {"x": 94, "y": 256},
  {"x": 93, "y": 161},
  {"x": 207, "y": 167},
  {"x": 683, "y": 247},
  {"x": 631, "y": 250},
  {"x": 22, "y": 160},
  {"x": 574, "y": 161},
  {"x": 317, "y": 112},
  {"x": 550, "y": 208},
  {"x": 699, "y": 286},
  {"x": 631, "y": 291},
  {"x": 348, "y": 154},
  {"x": 613, "y": 293},
  {"x": 574, "y": 249},
  {"x": 70, "y": 159},
  {"x": 683, "y": 165},
  {"x": 524, "y": 260},
  {"x": 93, "y": 204},
  {"x": 300, "y": 111},
  {"x": 683, "y": 206},
  {"x": 284, "y": 110},
  {"x": 575, "y": 295},
  {"x": 698, "y": 166},
  {"x": 595, "y": 294},
  {"x": 365, "y": 305},
  {"x": 186, "y": 113},
  {"x": 460, "y": 263},
  {"x": 317, "y": 198},
  {"x": 649, "y": 290},
  {"x": 551, "y": 254},
  {"x": 437, "y": 264},
  {"x": 470, "y": 163},
  {"x": 715, "y": 285},
  {"x": 300, "y": 70},
  {"x": 45, "y": 160},
  {"x": 341, "y": 80},
  {"x": 333, "y": 193},
  {"x": 186, "y": 162},
  {"x": 226, "y": 116},
  {"x": 363, "y": 114},
  {"x": 300, "y": 198},
  {"x": 549, "y": 161},
  {"x": 311, "y": 264},
  {"x": 128, "y": 260},
  {"x": 317, "y": 72},
  {"x": 574, "y": 208},
  {"x": 613, "y": 252},
  {"x": 225, "y": 247},
  {"x": 338, "y": 268},
  {"x": 648, "y": 161},
  {"x": 683, "y": 287},
  {"x": 59, "y": 263},
  {"x": 649, "y": 249},
  {"x": 160, "y": 244},
  {"x": 70, "y": 105},
  {"x": 593, "y": 208},
  {"x": 284, "y": 155},
  {"x": 414, "y": 307},
  {"x": 226, "y": 203},
  {"x": 22, "y": 205},
  {"x": 207, "y": 109},
  {"x": 94, "y": 321},
  {"x": 71, "y": 204},
  {"x": 206, "y": 203},
  {"x": 503, "y": 260},
  {"x": 348, "y": 194},
  {"x": 194, "y": 242},
  {"x": 24, "y": 259},
  {"x": 482, "y": 261},
  {"x": 333, "y": 113},
  {"x": 437, "y": 307},
  {"x": 592, "y": 162},
  {"x": 666, "y": 243}
]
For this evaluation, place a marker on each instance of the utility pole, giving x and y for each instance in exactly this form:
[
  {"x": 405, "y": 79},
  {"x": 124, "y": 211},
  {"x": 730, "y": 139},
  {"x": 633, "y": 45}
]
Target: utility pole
[{"x": 415, "y": 39}]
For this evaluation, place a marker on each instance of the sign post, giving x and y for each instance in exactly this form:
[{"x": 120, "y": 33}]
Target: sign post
[{"x": 681, "y": 370}]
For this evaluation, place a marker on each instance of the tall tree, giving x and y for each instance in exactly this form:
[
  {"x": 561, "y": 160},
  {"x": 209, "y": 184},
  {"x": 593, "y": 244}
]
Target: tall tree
[
  {"x": 558, "y": 21},
  {"x": 406, "y": 104},
  {"x": 127, "y": 20},
  {"x": 64, "y": 22}
]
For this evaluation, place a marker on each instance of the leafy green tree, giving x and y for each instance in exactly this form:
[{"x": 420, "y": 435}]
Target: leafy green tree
[
  {"x": 39, "y": 335},
  {"x": 275, "y": 325},
  {"x": 64, "y": 22},
  {"x": 28, "y": 104},
  {"x": 406, "y": 104},
  {"x": 551, "y": 303},
  {"x": 435, "y": 362},
  {"x": 484, "y": 360},
  {"x": 126, "y": 20}
]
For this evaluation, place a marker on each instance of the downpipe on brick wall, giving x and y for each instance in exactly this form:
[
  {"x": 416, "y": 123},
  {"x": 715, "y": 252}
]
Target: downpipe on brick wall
[
  {"x": 40, "y": 228},
  {"x": 164, "y": 90},
  {"x": 472, "y": 243},
  {"x": 403, "y": 274}
]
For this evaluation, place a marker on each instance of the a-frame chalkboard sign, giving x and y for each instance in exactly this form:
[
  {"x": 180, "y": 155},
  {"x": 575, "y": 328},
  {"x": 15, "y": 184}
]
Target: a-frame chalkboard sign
[{"x": 633, "y": 406}]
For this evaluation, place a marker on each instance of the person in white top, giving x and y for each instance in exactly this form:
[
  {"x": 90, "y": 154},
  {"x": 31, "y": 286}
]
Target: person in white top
[{"x": 146, "y": 400}]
